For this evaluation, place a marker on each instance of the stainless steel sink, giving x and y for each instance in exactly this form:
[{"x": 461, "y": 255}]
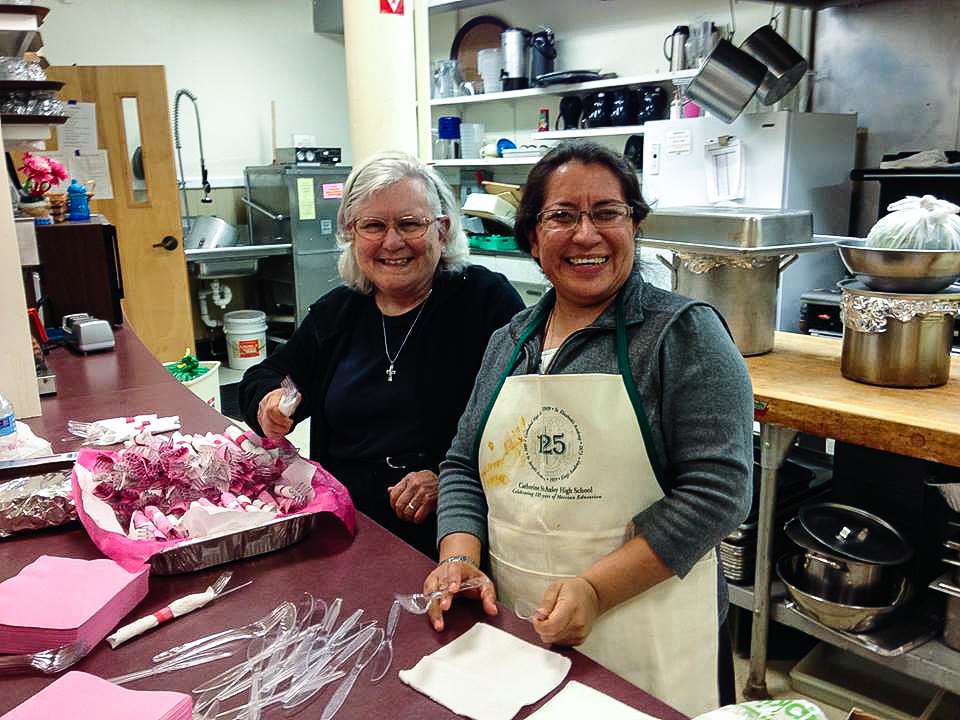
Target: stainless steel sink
[{"x": 233, "y": 261}]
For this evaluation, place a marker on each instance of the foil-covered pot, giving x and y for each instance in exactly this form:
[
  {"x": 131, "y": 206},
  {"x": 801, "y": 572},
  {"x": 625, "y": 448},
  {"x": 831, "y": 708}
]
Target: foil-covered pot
[
  {"x": 894, "y": 339},
  {"x": 39, "y": 501},
  {"x": 742, "y": 287}
]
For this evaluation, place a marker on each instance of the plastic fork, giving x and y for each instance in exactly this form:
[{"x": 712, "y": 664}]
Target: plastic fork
[
  {"x": 49, "y": 662},
  {"x": 257, "y": 628},
  {"x": 419, "y": 603},
  {"x": 93, "y": 433}
]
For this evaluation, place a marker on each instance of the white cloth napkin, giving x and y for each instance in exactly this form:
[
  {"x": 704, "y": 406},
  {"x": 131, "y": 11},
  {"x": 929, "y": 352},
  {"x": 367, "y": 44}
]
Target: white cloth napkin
[
  {"x": 577, "y": 701},
  {"x": 487, "y": 674}
]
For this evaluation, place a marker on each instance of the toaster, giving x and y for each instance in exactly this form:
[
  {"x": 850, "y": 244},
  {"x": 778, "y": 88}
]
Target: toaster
[{"x": 87, "y": 333}]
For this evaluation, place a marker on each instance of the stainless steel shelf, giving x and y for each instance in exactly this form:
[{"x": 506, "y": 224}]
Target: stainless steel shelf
[
  {"x": 932, "y": 662},
  {"x": 681, "y": 77}
]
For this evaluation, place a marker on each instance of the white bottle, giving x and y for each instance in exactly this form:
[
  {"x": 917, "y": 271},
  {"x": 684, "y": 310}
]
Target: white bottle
[{"x": 8, "y": 426}]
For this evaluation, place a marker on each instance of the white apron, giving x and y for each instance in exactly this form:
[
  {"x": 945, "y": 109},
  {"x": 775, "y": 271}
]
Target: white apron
[{"x": 565, "y": 468}]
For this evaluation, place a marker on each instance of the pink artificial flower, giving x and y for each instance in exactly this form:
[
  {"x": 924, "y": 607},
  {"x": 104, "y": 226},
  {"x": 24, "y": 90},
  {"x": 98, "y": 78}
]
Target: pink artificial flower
[{"x": 42, "y": 174}]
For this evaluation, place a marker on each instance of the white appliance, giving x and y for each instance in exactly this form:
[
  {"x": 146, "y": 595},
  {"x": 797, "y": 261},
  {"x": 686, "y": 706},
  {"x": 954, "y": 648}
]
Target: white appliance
[{"x": 783, "y": 160}]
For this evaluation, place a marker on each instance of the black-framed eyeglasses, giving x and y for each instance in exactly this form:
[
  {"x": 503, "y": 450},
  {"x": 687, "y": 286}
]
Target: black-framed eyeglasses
[
  {"x": 407, "y": 227},
  {"x": 609, "y": 215}
]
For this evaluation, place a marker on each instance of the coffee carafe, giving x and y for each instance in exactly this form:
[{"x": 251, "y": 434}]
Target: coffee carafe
[
  {"x": 675, "y": 48},
  {"x": 543, "y": 52},
  {"x": 515, "y": 45}
]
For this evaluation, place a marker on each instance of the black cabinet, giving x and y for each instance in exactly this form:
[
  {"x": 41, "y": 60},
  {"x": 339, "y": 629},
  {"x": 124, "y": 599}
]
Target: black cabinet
[{"x": 80, "y": 271}]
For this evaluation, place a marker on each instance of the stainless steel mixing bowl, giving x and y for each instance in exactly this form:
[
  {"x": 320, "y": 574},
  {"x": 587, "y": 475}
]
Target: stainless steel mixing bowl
[
  {"x": 900, "y": 271},
  {"x": 839, "y": 616}
]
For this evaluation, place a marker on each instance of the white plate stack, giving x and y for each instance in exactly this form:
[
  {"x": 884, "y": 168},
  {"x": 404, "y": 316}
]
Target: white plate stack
[
  {"x": 57, "y": 601},
  {"x": 81, "y": 696}
]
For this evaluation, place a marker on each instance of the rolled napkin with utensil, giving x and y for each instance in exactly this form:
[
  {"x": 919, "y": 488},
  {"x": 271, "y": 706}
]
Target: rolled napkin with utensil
[{"x": 178, "y": 607}]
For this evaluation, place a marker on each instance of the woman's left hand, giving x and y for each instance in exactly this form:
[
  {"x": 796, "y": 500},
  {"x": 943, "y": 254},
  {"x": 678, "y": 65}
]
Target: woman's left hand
[
  {"x": 414, "y": 498},
  {"x": 571, "y": 607}
]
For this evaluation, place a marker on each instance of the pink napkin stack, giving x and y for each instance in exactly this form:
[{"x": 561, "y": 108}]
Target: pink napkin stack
[
  {"x": 57, "y": 601},
  {"x": 81, "y": 696}
]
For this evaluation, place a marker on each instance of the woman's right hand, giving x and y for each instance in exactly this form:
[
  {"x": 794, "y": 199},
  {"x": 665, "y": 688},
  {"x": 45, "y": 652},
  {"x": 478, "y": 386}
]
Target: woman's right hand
[
  {"x": 450, "y": 575},
  {"x": 273, "y": 422}
]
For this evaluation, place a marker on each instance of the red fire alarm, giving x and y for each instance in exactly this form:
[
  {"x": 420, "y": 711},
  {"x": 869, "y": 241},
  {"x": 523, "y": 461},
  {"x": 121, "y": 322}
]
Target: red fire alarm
[{"x": 391, "y": 7}]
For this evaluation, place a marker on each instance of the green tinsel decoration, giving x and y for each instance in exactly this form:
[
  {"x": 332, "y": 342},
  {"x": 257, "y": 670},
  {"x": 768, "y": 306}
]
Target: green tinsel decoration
[{"x": 187, "y": 368}]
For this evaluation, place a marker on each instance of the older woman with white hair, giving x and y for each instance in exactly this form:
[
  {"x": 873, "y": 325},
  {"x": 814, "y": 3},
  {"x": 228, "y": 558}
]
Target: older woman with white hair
[{"x": 385, "y": 362}]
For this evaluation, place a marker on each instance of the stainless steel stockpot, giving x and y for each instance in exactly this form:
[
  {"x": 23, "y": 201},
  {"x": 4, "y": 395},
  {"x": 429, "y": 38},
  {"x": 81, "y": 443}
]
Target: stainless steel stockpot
[
  {"x": 727, "y": 81},
  {"x": 850, "y": 571},
  {"x": 832, "y": 577},
  {"x": 785, "y": 66}
]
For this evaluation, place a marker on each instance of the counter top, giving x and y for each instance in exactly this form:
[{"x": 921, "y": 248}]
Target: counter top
[
  {"x": 364, "y": 570},
  {"x": 798, "y": 385}
]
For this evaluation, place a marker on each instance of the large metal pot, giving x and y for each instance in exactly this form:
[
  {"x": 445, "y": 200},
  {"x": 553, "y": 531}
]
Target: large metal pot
[
  {"x": 951, "y": 626},
  {"x": 727, "y": 81},
  {"x": 832, "y": 577},
  {"x": 208, "y": 232},
  {"x": 896, "y": 340},
  {"x": 743, "y": 289},
  {"x": 785, "y": 66}
]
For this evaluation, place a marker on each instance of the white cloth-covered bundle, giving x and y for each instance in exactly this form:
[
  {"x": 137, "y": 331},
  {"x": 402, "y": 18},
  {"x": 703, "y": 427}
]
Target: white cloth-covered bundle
[{"x": 917, "y": 223}]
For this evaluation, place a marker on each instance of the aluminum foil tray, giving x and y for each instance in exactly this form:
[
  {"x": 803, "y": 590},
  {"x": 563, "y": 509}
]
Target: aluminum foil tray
[
  {"x": 205, "y": 552},
  {"x": 732, "y": 230}
]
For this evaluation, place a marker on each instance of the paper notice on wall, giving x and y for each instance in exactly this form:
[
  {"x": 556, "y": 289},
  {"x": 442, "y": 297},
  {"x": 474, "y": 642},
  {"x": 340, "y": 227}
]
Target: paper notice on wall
[
  {"x": 725, "y": 169},
  {"x": 306, "y": 205},
  {"x": 92, "y": 169},
  {"x": 79, "y": 132}
]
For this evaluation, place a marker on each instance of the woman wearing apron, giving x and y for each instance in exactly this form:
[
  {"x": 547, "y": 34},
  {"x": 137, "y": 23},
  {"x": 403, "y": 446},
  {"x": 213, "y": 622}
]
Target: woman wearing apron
[{"x": 606, "y": 449}]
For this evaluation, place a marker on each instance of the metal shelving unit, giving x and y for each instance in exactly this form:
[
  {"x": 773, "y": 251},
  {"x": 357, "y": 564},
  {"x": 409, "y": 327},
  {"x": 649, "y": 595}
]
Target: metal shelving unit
[{"x": 931, "y": 662}]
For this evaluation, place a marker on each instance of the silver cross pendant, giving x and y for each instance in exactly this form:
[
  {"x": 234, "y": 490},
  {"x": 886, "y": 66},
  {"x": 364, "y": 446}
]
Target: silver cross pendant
[{"x": 390, "y": 373}]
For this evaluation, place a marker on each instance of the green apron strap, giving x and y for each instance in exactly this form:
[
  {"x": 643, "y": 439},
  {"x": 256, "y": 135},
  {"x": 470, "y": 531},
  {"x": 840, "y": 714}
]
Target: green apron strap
[
  {"x": 537, "y": 321},
  {"x": 623, "y": 363}
]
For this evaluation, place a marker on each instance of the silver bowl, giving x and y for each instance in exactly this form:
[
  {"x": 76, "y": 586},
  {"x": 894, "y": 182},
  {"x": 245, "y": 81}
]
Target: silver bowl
[
  {"x": 900, "y": 271},
  {"x": 849, "y": 618}
]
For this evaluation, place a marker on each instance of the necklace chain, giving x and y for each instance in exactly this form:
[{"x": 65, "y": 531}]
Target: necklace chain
[{"x": 386, "y": 349}]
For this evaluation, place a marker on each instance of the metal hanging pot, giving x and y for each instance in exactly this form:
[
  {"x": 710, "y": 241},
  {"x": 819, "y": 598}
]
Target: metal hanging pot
[
  {"x": 785, "y": 66},
  {"x": 727, "y": 81}
]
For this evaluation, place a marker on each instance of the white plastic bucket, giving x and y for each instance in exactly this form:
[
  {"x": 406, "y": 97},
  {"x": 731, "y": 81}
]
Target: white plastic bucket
[
  {"x": 207, "y": 386},
  {"x": 246, "y": 332}
]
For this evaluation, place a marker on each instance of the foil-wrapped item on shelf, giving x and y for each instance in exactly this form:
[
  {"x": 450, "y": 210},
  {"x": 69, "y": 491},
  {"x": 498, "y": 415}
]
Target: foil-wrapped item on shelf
[
  {"x": 39, "y": 501},
  {"x": 869, "y": 313},
  {"x": 18, "y": 68},
  {"x": 701, "y": 264},
  {"x": 32, "y": 102}
]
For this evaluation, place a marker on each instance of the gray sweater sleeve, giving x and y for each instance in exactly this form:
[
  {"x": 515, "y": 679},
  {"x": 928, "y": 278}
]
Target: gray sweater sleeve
[
  {"x": 695, "y": 389},
  {"x": 702, "y": 415}
]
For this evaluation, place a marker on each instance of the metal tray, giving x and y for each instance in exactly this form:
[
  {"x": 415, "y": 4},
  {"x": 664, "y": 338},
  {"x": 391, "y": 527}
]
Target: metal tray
[
  {"x": 732, "y": 230},
  {"x": 208, "y": 551}
]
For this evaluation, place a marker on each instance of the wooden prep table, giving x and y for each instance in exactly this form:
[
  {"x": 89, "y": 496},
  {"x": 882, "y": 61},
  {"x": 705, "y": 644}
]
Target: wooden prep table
[
  {"x": 364, "y": 570},
  {"x": 798, "y": 388}
]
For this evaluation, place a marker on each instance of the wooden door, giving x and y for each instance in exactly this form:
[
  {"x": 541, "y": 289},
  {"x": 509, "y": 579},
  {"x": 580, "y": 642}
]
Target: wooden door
[{"x": 157, "y": 300}]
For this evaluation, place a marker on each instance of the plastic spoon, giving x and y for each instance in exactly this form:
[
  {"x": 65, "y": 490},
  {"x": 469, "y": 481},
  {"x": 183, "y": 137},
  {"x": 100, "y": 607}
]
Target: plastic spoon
[{"x": 383, "y": 658}]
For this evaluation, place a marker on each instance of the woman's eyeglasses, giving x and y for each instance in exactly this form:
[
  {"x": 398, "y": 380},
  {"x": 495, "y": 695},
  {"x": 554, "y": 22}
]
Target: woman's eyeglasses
[
  {"x": 408, "y": 228},
  {"x": 602, "y": 217}
]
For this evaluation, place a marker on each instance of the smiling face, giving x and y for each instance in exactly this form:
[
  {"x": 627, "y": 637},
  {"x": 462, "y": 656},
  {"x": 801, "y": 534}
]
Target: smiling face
[
  {"x": 400, "y": 269},
  {"x": 586, "y": 265}
]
